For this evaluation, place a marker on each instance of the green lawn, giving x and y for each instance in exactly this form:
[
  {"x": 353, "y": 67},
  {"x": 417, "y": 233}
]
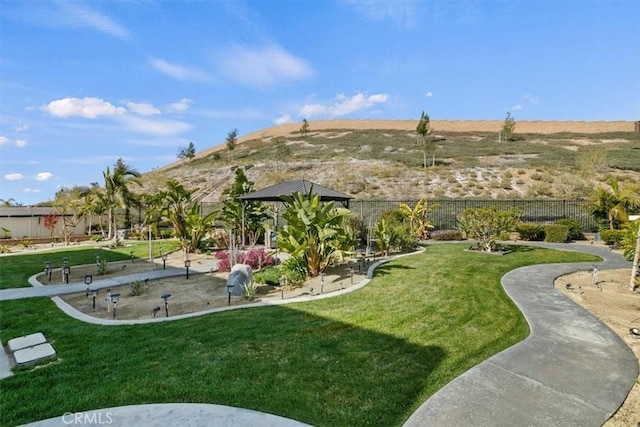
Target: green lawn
[
  {"x": 366, "y": 358},
  {"x": 16, "y": 269}
]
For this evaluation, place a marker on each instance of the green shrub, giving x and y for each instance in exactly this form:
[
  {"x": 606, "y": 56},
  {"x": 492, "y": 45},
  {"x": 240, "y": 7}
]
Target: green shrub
[
  {"x": 137, "y": 288},
  {"x": 530, "y": 232},
  {"x": 268, "y": 276},
  {"x": 103, "y": 266},
  {"x": 556, "y": 233},
  {"x": 575, "y": 228},
  {"x": 447, "y": 235},
  {"x": 96, "y": 237},
  {"x": 296, "y": 270},
  {"x": 250, "y": 290},
  {"x": 611, "y": 237}
]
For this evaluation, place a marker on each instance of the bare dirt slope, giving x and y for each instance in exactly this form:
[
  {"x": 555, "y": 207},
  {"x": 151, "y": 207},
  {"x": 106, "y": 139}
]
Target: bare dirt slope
[{"x": 533, "y": 126}]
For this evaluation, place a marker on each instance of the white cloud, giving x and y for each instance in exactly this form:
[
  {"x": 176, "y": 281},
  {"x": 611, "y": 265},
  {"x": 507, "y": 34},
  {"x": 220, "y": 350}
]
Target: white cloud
[
  {"x": 179, "y": 72},
  {"x": 428, "y": 94},
  {"x": 21, "y": 143},
  {"x": 533, "y": 99},
  {"x": 31, "y": 190},
  {"x": 89, "y": 108},
  {"x": 13, "y": 176},
  {"x": 44, "y": 176},
  {"x": 516, "y": 107},
  {"x": 264, "y": 66},
  {"x": 343, "y": 105},
  {"x": 77, "y": 14},
  {"x": 285, "y": 118},
  {"x": 22, "y": 127},
  {"x": 182, "y": 105},
  {"x": 156, "y": 127},
  {"x": 142, "y": 108},
  {"x": 3, "y": 140}
]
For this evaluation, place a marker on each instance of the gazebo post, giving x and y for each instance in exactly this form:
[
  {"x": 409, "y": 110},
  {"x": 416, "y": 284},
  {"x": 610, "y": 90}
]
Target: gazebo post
[{"x": 244, "y": 205}]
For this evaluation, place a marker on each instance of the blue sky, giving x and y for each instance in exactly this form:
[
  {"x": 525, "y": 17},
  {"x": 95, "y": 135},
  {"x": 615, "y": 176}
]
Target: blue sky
[{"x": 83, "y": 83}]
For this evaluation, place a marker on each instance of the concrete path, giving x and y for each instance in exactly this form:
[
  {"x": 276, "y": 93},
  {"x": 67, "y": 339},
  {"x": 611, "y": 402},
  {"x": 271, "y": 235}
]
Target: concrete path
[
  {"x": 171, "y": 414},
  {"x": 571, "y": 370}
]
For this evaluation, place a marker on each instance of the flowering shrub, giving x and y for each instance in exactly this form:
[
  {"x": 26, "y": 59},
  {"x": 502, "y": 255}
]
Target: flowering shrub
[{"x": 255, "y": 258}]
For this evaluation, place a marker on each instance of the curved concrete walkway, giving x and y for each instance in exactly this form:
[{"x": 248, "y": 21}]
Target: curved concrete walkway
[{"x": 571, "y": 370}]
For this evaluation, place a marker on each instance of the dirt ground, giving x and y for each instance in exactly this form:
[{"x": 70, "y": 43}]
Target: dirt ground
[
  {"x": 202, "y": 291},
  {"x": 613, "y": 303}
]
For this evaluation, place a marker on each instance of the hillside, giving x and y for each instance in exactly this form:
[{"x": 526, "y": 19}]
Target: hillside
[{"x": 381, "y": 159}]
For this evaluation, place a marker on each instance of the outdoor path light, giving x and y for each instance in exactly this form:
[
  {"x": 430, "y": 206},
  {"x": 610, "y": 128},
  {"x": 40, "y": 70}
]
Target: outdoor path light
[
  {"x": 164, "y": 261},
  {"x": 88, "y": 279},
  {"x": 131, "y": 256},
  {"x": 94, "y": 293},
  {"x": 114, "y": 299},
  {"x": 283, "y": 281},
  {"x": 65, "y": 273},
  {"x": 322, "y": 276},
  {"x": 48, "y": 270},
  {"x": 187, "y": 264},
  {"x": 165, "y": 297},
  {"x": 351, "y": 273},
  {"x": 229, "y": 287}
]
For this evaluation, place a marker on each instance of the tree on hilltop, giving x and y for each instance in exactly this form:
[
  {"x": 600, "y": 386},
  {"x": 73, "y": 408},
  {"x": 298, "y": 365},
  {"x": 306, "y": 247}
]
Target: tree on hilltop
[
  {"x": 509, "y": 127},
  {"x": 188, "y": 152}
]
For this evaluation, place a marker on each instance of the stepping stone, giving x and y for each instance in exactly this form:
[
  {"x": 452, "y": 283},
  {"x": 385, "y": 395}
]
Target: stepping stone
[
  {"x": 33, "y": 354},
  {"x": 26, "y": 341}
]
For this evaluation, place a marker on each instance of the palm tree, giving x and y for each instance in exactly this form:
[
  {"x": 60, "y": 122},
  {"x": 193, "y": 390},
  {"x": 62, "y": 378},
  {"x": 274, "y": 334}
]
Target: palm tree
[
  {"x": 613, "y": 205},
  {"x": 116, "y": 191}
]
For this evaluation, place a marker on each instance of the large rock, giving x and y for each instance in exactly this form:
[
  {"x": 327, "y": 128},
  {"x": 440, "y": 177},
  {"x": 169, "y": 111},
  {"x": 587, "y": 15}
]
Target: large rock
[{"x": 241, "y": 274}]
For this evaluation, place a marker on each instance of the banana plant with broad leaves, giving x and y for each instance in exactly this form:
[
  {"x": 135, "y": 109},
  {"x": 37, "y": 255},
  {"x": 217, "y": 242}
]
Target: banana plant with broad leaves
[
  {"x": 314, "y": 230},
  {"x": 417, "y": 216}
]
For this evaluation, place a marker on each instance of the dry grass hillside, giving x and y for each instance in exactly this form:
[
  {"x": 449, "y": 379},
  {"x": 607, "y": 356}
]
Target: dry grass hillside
[{"x": 381, "y": 159}]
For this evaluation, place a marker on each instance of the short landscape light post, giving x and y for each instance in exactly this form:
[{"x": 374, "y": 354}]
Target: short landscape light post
[
  {"x": 94, "y": 293},
  {"x": 187, "y": 264},
  {"x": 283, "y": 281},
  {"x": 114, "y": 299},
  {"x": 164, "y": 261},
  {"x": 66, "y": 270},
  {"x": 131, "y": 253},
  {"x": 351, "y": 273},
  {"x": 322, "y": 277},
  {"x": 88, "y": 279},
  {"x": 229, "y": 287},
  {"x": 48, "y": 270},
  {"x": 165, "y": 297}
]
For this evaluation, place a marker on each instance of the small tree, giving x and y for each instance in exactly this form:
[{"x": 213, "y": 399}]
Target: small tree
[
  {"x": 188, "y": 152},
  {"x": 417, "y": 217},
  {"x": 487, "y": 224},
  {"x": 231, "y": 140},
  {"x": 314, "y": 231},
  {"x": 304, "y": 129},
  {"x": 508, "y": 127},
  {"x": 424, "y": 136},
  {"x": 50, "y": 221}
]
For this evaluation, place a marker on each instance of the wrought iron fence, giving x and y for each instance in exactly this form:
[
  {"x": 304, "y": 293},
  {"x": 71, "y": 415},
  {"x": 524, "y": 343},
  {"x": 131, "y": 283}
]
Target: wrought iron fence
[{"x": 444, "y": 216}]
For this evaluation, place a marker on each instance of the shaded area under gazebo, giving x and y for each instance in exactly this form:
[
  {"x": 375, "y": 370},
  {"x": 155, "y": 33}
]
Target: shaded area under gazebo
[{"x": 275, "y": 192}]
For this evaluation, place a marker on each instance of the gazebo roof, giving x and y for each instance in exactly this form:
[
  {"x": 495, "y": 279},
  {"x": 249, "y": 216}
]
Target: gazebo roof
[{"x": 274, "y": 193}]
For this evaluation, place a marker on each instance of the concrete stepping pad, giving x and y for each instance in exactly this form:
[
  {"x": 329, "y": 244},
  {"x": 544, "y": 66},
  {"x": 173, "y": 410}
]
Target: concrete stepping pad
[
  {"x": 33, "y": 354},
  {"x": 26, "y": 341}
]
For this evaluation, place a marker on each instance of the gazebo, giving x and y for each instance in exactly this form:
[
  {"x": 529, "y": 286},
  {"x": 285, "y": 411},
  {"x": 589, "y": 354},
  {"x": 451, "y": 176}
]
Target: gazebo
[{"x": 275, "y": 192}]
